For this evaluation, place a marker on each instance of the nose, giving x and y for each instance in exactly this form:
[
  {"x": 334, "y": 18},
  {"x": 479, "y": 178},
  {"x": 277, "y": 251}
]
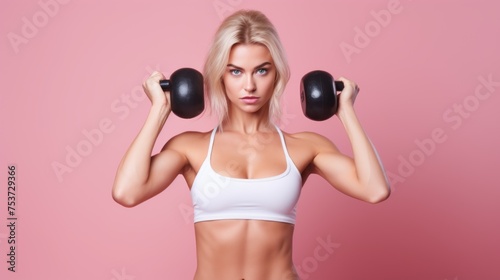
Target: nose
[{"x": 250, "y": 84}]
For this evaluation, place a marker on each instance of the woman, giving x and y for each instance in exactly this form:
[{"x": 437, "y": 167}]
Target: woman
[{"x": 246, "y": 175}]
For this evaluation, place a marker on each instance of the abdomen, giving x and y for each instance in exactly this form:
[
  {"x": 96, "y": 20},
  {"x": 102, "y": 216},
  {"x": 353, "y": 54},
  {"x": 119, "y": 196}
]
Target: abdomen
[{"x": 243, "y": 249}]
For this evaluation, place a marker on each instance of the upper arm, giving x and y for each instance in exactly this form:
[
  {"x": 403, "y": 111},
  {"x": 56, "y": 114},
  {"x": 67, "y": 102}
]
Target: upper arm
[
  {"x": 338, "y": 169},
  {"x": 165, "y": 166}
]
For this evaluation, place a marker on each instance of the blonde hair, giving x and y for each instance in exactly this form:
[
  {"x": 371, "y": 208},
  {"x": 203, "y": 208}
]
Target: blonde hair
[{"x": 244, "y": 27}]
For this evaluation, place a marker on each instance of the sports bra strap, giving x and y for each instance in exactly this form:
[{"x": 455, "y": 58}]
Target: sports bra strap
[
  {"x": 211, "y": 144},
  {"x": 285, "y": 150}
]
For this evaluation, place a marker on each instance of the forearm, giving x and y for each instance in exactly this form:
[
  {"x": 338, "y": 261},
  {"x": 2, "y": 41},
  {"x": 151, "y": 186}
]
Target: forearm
[
  {"x": 369, "y": 168},
  {"x": 134, "y": 167}
]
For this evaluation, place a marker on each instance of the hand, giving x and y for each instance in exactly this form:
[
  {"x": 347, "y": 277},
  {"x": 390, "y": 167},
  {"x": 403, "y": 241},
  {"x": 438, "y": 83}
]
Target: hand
[
  {"x": 154, "y": 91},
  {"x": 347, "y": 96}
]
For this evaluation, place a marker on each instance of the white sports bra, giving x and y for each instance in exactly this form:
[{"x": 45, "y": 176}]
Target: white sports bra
[{"x": 218, "y": 197}]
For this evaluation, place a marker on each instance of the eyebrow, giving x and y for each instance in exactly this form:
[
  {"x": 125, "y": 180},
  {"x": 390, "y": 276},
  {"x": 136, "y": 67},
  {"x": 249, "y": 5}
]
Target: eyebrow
[{"x": 256, "y": 67}]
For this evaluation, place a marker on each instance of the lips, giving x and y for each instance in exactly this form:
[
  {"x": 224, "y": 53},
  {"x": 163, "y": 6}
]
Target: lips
[{"x": 249, "y": 99}]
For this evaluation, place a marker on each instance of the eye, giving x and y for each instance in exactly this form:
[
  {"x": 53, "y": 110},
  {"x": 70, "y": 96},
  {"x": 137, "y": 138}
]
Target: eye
[
  {"x": 262, "y": 71},
  {"x": 235, "y": 72}
]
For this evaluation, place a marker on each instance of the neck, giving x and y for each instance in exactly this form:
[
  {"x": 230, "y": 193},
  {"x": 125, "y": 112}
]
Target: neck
[{"x": 247, "y": 123}]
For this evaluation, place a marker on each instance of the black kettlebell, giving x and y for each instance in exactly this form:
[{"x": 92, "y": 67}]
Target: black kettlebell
[
  {"x": 318, "y": 95},
  {"x": 186, "y": 92}
]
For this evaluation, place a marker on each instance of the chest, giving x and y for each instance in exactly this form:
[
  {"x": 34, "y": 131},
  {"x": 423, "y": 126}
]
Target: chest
[
  {"x": 255, "y": 156},
  {"x": 258, "y": 156}
]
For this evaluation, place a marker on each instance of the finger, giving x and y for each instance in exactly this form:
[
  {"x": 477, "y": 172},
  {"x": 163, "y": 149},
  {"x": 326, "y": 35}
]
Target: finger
[
  {"x": 347, "y": 82},
  {"x": 157, "y": 76},
  {"x": 154, "y": 80}
]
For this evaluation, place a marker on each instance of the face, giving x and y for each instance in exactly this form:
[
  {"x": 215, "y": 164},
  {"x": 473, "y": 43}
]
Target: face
[{"x": 249, "y": 77}]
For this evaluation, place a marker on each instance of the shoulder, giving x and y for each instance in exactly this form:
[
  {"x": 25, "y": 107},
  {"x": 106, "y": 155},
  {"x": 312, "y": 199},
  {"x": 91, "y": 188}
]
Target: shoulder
[
  {"x": 187, "y": 140},
  {"x": 305, "y": 147},
  {"x": 309, "y": 139}
]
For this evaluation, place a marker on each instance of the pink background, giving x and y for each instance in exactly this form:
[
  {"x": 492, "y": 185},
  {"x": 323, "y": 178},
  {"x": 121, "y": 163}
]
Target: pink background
[{"x": 83, "y": 62}]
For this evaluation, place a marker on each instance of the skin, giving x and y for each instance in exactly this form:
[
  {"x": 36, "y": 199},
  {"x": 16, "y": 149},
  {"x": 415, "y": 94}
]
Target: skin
[{"x": 249, "y": 147}]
